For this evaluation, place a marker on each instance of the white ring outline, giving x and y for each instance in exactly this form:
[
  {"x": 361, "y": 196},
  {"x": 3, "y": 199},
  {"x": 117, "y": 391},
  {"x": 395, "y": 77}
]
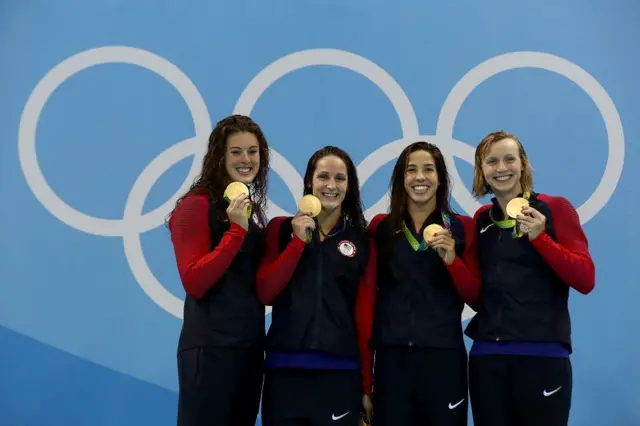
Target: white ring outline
[
  {"x": 515, "y": 60},
  {"x": 297, "y": 60},
  {"x": 317, "y": 57},
  {"x": 132, "y": 212},
  {"x": 50, "y": 83},
  {"x": 133, "y": 222}
]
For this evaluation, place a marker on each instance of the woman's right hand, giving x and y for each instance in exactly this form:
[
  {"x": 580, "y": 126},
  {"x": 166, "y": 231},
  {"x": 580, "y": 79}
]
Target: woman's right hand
[
  {"x": 300, "y": 223},
  {"x": 237, "y": 210}
]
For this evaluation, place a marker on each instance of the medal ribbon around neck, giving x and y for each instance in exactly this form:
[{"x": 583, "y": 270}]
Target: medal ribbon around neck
[
  {"x": 510, "y": 223},
  {"x": 310, "y": 233},
  {"x": 422, "y": 246}
]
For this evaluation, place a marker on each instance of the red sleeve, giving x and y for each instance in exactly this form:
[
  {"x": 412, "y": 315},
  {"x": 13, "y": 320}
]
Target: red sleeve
[
  {"x": 276, "y": 268},
  {"x": 465, "y": 272},
  {"x": 569, "y": 254},
  {"x": 373, "y": 225},
  {"x": 365, "y": 306},
  {"x": 198, "y": 266}
]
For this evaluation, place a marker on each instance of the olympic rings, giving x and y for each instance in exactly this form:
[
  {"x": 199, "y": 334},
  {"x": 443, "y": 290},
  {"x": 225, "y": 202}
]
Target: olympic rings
[{"x": 133, "y": 222}]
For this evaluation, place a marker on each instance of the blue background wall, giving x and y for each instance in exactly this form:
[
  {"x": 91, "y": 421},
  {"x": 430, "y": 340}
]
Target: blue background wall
[{"x": 105, "y": 106}]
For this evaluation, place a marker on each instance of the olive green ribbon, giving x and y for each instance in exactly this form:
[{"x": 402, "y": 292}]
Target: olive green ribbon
[
  {"x": 421, "y": 246},
  {"x": 510, "y": 223}
]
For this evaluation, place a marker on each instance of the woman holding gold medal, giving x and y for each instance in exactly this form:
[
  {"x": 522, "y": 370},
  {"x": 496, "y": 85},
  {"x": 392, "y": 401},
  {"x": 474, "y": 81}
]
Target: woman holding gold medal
[
  {"x": 422, "y": 282},
  {"x": 313, "y": 274},
  {"x": 531, "y": 252},
  {"x": 216, "y": 231}
]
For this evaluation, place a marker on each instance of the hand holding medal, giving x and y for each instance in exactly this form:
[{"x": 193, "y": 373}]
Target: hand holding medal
[
  {"x": 441, "y": 241},
  {"x": 303, "y": 223},
  {"x": 529, "y": 220},
  {"x": 239, "y": 210}
]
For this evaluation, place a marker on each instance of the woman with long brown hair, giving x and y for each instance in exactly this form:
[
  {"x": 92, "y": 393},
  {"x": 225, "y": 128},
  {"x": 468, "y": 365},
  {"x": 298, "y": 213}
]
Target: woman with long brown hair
[
  {"x": 218, "y": 242},
  {"x": 422, "y": 283},
  {"x": 313, "y": 274},
  {"x": 531, "y": 251}
]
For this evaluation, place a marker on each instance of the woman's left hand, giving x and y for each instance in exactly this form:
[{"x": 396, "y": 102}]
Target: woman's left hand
[
  {"x": 531, "y": 222},
  {"x": 444, "y": 245},
  {"x": 367, "y": 405}
]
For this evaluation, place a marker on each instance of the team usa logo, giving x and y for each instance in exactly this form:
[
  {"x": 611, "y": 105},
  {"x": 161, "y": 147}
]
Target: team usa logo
[{"x": 347, "y": 248}]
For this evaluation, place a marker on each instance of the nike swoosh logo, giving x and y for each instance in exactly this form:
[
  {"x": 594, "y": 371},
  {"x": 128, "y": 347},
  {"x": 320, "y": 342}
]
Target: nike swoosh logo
[
  {"x": 545, "y": 393},
  {"x": 451, "y": 407},
  {"x": 483, "y": 230},
  {"x": 334, "y": 417}
]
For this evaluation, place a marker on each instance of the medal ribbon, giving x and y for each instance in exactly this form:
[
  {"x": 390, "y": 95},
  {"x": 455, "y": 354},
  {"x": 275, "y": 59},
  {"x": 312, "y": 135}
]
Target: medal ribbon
[
  {"x": 510, "y": 223},
  {"x": 422, "y": 246},
  {"x": 310, "y": 233}
]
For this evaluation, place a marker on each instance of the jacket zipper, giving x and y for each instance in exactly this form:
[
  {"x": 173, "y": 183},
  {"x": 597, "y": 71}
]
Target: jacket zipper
[
  {"x": 499, "y": 315},
  {"x": 316, "y": 327}
]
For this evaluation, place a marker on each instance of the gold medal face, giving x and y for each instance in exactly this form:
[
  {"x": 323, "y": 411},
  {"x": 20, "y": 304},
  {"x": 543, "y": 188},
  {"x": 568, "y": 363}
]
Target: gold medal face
[
  {"x": 311, "y": 205},
  {"x": 514, "y": 208},
  {"x": 431, "y": 230},
  {"x": 234, "y": 189}
]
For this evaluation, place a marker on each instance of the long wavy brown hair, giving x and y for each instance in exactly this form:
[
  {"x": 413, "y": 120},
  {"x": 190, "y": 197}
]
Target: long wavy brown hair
[
  {"x": 398, "y": 204},
  {"x": 214, "y": 177},
  {"x": 352, "y": 207}
]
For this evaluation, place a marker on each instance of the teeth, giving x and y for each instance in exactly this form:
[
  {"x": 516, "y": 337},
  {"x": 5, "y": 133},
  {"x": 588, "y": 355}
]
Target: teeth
[
  {"x": 329, "y": 195},
  {"x": 502, "y": 178},
  {"x": 244, "y": 169},
  {"x": 420, "y": 189}
]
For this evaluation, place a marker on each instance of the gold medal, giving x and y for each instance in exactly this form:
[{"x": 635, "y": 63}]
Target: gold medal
[
  {"x": 234, "y": 189},
  {"x": 514, "y": 208},
  {"x": 311, "y": 205},
  {"x": 430, "y": 231}
]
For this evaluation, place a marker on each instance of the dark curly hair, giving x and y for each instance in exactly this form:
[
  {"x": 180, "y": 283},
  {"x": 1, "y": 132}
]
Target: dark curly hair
[
  {"x": 214, "y": 177},
  {"x": 352, "y": 205}
]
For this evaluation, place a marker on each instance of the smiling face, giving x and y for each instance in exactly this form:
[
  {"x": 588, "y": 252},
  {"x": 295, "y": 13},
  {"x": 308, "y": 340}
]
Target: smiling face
[
  {"x": 420, "y": 183},
  {"x": 330, "y": 182},
  {"x": 242, "y": 157},
  {"x": 421, "y": 178},
  {"x": 502, "y": 167}
]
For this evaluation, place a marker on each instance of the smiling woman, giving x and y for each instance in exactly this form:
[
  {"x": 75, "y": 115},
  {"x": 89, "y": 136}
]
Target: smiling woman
[
  {"x": 217, "y": 249},
  {"x": 528, "y": 261},
  {"x": 315, "y": 285},
  {"x": 421, "y": 284}
]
